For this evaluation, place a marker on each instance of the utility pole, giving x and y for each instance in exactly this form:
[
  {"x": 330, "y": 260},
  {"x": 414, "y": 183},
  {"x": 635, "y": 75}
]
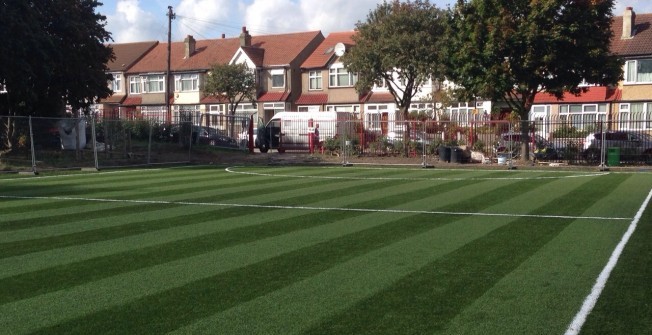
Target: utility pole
[{"x": 171, "y": 16}]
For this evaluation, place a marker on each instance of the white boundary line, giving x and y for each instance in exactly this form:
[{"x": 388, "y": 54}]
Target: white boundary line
[
  {"x": 232, "y": 169},
  {"x": 341, "y": 209},
  {"x": 590, "y": 301}
]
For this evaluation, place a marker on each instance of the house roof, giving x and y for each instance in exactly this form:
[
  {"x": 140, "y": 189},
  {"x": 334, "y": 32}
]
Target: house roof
[
  {"x": 273, "y": 96},
  {"x": 312, "y": 99},
  {"x": 593, "y": 94},
  {"x": 133, "y": 101},
  {"x": 324, "y": 52},
  {"x": 214, "y": 99},
  {"x": 376, "y": 97},
  {"x": 272, "y": 50},
  {"x": 127, "y": 54},
  {"x": 113, "y": 99},
  {"x": 640, "y": 44}
]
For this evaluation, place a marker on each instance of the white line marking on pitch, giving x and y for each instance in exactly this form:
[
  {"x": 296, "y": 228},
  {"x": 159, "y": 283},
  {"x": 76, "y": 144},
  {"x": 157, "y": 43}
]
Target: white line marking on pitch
[
  {"x": 590, "y": 301},
  {"x": 232, "y": 170},
  {"x": 342, "y": 209}
]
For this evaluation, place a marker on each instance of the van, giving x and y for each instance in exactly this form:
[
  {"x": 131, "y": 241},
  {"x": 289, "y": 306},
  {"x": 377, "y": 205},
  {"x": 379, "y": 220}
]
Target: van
[{"x": 293, "y": 130}]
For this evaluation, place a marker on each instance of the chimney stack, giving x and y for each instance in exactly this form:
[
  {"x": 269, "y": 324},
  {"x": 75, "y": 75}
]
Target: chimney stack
[
  {"x": 245, "y": 38},
  {"x": 223, "y": 36},
  {"x": 190, "y": 46},
  {"x": 629, "y": 23}
]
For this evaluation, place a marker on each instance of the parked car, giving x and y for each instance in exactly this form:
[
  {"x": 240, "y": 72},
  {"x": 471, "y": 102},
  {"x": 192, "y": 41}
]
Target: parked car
[
  {"x": 540, "y": 148},
  {"x": 633, "y": 146},
  {"x": 202, "y": 135}
]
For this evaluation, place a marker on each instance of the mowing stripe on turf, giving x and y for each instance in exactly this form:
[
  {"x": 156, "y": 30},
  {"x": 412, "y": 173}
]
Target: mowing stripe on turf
[
  {"x": 590, "y": 301},
  {"x": 163, "y": 202},
  {"x": 235, "y": 170}
]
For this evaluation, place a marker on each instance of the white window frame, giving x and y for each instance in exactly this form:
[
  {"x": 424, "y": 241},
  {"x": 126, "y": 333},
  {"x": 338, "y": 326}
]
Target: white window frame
[
  {"x": 216, "y": 115},
  {"x": 316, "y": 78},
  {"x": 583, "y": 114},
  {"x": 135, "y": 85},
  {"x": 631, "y": 71},
  {"x": 116, "y": 83},
  {"x": 277, "y": 73},
  {"x": 190, "y": 79},
  {"x": 309, "y": 108},
  {"x": 154, "y": 113},
  {"x": 338, "y": 71},
  {"x": 154, "y": 80}
]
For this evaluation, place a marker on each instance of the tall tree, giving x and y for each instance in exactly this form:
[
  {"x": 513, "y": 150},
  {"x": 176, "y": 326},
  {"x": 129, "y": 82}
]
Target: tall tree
[
  {"x": 53, "y": 55},
  {"x": 233, "y": 82},
  {"x": 398, "y": 45},
  {"x": 509, "y": 50}
]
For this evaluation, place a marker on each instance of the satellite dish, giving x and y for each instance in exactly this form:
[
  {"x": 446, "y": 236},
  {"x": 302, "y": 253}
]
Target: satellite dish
[{"x": 340, "y": 48}]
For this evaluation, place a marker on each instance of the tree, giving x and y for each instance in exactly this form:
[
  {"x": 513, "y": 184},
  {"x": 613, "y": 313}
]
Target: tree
[
  {"x": 53, "y": 54},
  {"x": 510, "y": 50},
  {"x": 232, "y": 82},
  {"x": 399, "y": 45}
]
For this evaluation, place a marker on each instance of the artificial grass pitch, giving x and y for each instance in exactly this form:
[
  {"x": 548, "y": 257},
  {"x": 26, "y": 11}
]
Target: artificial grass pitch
[{"x": 320, "y": 250}]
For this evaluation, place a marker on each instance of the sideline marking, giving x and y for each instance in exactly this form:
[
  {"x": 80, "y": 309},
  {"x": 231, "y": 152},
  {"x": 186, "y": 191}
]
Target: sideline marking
[
  {"x": 232, "y": 169},
  {"x": 590, "y": 301},
  {"x": 341, "y": 209}
]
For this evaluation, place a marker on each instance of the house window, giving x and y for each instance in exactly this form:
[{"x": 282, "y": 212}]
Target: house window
[
  {"x": 246, "y": 109},
  {"x": 308, "y": 108},
  {"x": 154, "y": 113},
  {"x": 638, "y": 71},
  {"x": 216, "y": 116},
  {"x": 340, "y": 77},
  {"x": 635, "y": 115},
  {"x": 116, "y": 83},
  {"x": 583, "y": 116},
  {"x": 278, "y": 78},
  {"x": 155, "y": 84},
  {"x": 186, "y": 83},
  {"x": 134, "y": 85},
  {"x": 373, "y": 116},
  {"x": 315, "y": 80}
]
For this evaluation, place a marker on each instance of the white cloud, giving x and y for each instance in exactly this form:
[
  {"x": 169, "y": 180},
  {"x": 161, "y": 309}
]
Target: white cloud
[
  {"x": 202, "y": 18},
  {"x": 130, "y": 23},
  {"x": 277, "y": 16}
]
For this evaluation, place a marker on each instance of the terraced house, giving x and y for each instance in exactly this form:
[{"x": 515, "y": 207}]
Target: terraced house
[
  {"x": 276, "y": 60},
  {"x": 303, "y": 72},
  {"x": 626, "y": 106}
]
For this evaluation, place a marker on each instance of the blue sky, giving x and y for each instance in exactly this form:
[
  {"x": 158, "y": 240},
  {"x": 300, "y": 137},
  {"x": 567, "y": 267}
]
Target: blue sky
[{"x": 145, "y": 20}]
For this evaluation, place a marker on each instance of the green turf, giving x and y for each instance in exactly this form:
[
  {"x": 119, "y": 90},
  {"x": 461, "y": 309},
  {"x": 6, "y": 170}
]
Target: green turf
[{"x": 321, "y": 250}]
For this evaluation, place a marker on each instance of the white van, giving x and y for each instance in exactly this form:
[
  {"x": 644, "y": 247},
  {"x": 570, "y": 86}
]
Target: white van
[{"x": 292, "y": 130}]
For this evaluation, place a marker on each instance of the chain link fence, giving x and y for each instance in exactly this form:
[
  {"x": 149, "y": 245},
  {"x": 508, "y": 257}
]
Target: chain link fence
[{"x": 31, "y": 144}]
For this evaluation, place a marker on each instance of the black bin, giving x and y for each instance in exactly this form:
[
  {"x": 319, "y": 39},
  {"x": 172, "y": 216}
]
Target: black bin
[
  {"x": 445, "y": 154},
  {"x": 456, "y": 155}
]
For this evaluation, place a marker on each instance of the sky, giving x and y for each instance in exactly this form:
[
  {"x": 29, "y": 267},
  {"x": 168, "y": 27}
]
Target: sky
[{"x": 146, "y": 20}]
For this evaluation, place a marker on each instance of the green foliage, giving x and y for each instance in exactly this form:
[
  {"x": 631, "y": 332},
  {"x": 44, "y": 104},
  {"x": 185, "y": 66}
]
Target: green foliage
[
  {"x": 233, "y": 82},
  {"x": 400, "y": 45},
  {"x": 53, "y": 54},
  {"x": 508, "y": 50},
  {"x": 569, "y": 132}
]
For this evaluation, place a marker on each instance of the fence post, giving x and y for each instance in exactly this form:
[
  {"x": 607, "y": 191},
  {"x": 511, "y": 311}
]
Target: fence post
[
  {"x": 94, "y": 142},
  {"x": 149, "y": 143},
  {"x": 31, "y": 141},
  {"x": 424, "y": 146}
]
